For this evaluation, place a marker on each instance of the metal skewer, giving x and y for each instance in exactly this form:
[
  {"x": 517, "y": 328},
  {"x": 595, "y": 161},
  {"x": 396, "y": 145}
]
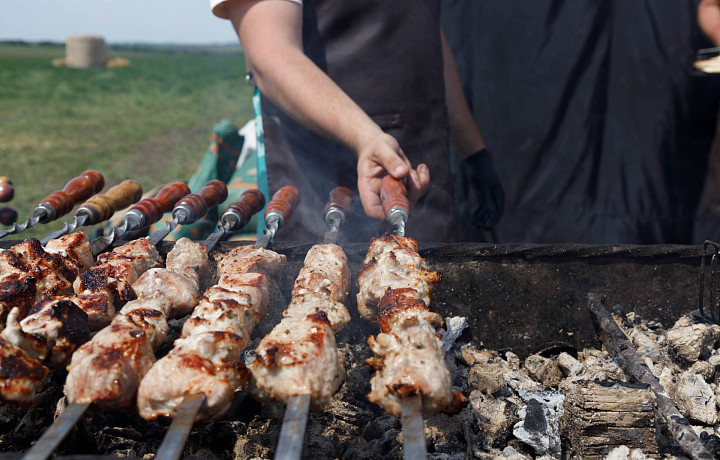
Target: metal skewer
[
  {"x": 100, "y": 207},
  {"x": 192, "y": 207},
  {"x": 53, "y": 436},
  {"x": 144, "y": 213},
  {"x": 278, "y": 212},
  {"x": 234, "y": 217},
  {"x": 292, "y": 434},
  {"x": 396, "y": 206},
  {"x": 61, "y": 202}
]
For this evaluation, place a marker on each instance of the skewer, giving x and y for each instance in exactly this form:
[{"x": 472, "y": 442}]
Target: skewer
[
  {"x": 54, "y": 435},
  {"x": 393, "y": 195},
  {"x": 235, "y": 216},
  {"x": 61, "y": 202},
  {"x": 292, "y": 434},
  {"x": 144, "y": 213},
  {"x": 192, "y": 207},
  {"x": 278, "y": 211},
  {"x": 100, "y": 207}
]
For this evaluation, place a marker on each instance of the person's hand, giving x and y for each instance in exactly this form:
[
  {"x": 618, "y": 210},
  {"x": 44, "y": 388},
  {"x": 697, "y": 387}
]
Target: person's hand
[
  {"x": 383, "y": 156},
  {"x": 487, "y": 187},
  {"x": 709, "y": 19}
]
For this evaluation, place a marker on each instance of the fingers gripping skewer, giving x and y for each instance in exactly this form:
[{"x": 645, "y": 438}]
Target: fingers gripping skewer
[
  {"x": 101, "y": 207},
  {"x": 278, "y": 212},
  {"x": 292, "y": 434},
  {"x": 61, "y": 202},
  {"x": 143, "y": 214},
  {"x": 396, "y": 206},
  {"x": 192, "y": 207}
]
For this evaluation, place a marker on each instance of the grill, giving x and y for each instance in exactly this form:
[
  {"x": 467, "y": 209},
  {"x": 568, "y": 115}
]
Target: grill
[{"x": 521, "y": 298}]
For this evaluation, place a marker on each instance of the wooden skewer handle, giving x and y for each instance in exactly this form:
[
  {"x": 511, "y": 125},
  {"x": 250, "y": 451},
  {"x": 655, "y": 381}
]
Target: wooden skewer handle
[
  {"x": 393, "y": 195},
  {"x": 283, "y": 202},
  {"x": 250, "y": 203},
  {"x": 341, "y": 198},
  {"x": 103, "y": 206},
  {"x": 76, "y": 190},
  {"x": 152, "y": 209},
  {"x": 197, "y": 204}
]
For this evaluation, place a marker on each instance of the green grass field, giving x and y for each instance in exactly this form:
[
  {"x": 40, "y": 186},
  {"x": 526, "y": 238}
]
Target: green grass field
[{"x": 150, "y": 122}]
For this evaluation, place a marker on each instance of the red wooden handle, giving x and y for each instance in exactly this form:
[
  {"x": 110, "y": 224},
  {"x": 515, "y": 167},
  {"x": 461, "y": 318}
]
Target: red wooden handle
[
  {"x": 340, "y": 197},
  {"x": 164, "y": 201},
  {"x": 284, "y": 201},
  {"x": 76, "y": 190},
  {"x": 211, "y": 194},
  {"x": 393, "y": 195},
  {"x": 250, "y": 203}
]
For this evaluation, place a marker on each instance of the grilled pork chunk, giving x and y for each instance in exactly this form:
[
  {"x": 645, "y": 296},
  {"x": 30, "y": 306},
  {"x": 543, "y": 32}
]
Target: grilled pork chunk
[
  {"x": 300, "y": 355},
  {"x": 206, "y": 359},
  {"x": 409, "y": 357},
  {"x": 52, "y": 331},
  {"x": 392, "y": 262},
  {"x": 20, "y": 375},
  {"x": 116, "y": 271}
]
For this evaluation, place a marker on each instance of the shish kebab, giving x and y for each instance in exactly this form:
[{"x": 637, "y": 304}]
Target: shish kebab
[
  {"x": 52, "y": 329},
  {"x": 61, "y": 202},
  {"x": 410, "y": 377},
  {"x": 208, "y": 353},
  {"x": 298, "y": 362},
  {"x": 100, "y": 207},
  {"x": 136, "y": 328}
]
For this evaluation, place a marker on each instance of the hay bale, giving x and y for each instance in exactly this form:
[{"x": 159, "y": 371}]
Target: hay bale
[{"x": 83, "y": 51}]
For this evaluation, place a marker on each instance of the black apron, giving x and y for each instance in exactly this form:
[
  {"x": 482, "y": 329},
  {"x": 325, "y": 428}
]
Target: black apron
[{"x": 387, "y": 56}]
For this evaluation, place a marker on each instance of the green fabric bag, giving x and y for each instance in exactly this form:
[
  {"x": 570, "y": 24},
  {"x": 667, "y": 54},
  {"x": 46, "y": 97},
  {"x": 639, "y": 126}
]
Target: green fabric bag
[{"x": 220, "y": 162}]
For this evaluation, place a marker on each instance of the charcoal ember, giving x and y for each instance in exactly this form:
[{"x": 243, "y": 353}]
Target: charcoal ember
[
  {"x": 691, "y": 339},
  {"x": 704, "y": 369},
  {"x": 544, "y": 370},
  {"x": 695, "y": 399},
  {"x": 487, "y": 378},
  {"x": 599, "y": 366},
  {"x": 569, "y": 366},
  {"x": 445, "y": 436},
  {"x": 495, "y": 418},
  {"x": 539, "y": 425}
]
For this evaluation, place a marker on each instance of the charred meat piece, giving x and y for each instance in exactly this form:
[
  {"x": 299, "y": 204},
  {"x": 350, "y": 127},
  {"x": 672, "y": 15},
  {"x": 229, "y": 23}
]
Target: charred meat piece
[
  {"x": 392, "y": 262},
  {"x": 52, "y": 331},
  {"x": 20, "y": 375},
  {"x": 247, "y": 259},
  {"x": 99, "y": 308},
  {"x": 116, "y": 271},
  {"x": 74, "y": 248},
  {"x": 188, "y": 254},
  {"x": 180, "y": 288}
]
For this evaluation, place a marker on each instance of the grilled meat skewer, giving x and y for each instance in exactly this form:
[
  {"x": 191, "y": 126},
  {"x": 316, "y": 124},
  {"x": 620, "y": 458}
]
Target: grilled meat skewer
[{"x": 218, "y": 330}]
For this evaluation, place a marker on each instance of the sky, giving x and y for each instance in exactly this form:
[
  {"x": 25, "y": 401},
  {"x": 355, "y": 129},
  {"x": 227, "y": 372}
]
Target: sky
[{"x": 118, "y": 21}]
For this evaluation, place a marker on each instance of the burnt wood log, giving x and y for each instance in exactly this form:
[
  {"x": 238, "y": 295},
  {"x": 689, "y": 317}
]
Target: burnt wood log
[
  {"x": 618, "y": 344},
  {"x": 599, "y": 416}
]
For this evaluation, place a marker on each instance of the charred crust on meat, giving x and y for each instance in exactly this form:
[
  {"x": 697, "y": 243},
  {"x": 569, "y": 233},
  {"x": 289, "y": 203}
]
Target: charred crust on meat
[
  {"x": 319, "y": 316},
  {"x": 405, "y": 390},
  {"x": 19, "y": 365},
  {"x": 193, "y": 361},
  {"x": 458, "y": 402}
]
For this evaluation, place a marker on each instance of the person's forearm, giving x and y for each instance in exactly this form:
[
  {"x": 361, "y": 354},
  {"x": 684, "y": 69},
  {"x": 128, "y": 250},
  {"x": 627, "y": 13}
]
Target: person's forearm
[
  {"x": 709, "y": 19},
  {"x": 464, "y": 133},
  {"x": 291, "y": 80}
]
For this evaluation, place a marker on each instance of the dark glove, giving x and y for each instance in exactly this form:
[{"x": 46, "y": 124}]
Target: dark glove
[{"x": 489, "y": 192}]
